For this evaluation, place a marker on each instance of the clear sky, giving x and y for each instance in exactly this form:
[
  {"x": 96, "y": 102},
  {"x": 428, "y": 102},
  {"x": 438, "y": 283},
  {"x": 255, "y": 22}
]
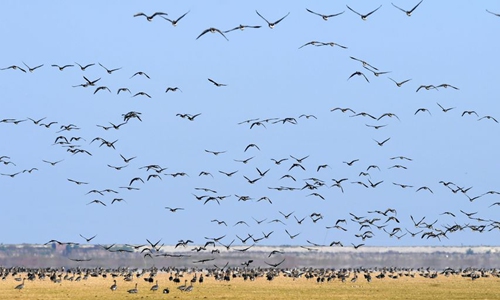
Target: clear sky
[{"x": 267, "y": 76}]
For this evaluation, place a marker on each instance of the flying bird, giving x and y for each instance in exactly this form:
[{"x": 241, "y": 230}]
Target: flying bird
[
  {"x": 83, "y": 68},
  {"x": 97, "y": 201},
  {"x": 383, "y": 142},
  {"x": 242, "y": 27},
  {"x": 271, "y": 25},
  {"x": 212, "y": 30},
  {"x": 399, "y": 84},
  {"x": 276, "y": 264},
  {"x": 324, "y": 17},
  {"x": 142, "y": 74},
  {"x": 363, "y": 62},
  {"x": 427, "y": 87},
  {"x": 110, "y": 71},
  {"x": 141, "y": 94},
  {"x": 358, "y": 73},
  {"x": 174, "y": 209},
  {"x": 445, "y": 109},
  {"x": 173, "y": 89},
  {"x": 102, "y": 88},
  {"x": 62, "y": 67},
  {"x": 88, "y": 239},
  {"x": 32, "y": 69},
  {"x": 135, "y": 179},
  {"x": 489, "y": 118},
  {"x": 215, "y": 152},
  {"x": 470, "y": 112},
  {"x": 174, "y": 22},
  {"x": 150, "y": 18},
  {"x": 77, "y": 182},
  {"x": 408, "y": 12},
  {"x": 364, "y": 17},
  {"x": 216, "y": 83}
]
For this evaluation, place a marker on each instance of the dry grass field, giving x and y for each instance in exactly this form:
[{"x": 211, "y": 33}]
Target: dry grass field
[{"x": 453, "y": 287}]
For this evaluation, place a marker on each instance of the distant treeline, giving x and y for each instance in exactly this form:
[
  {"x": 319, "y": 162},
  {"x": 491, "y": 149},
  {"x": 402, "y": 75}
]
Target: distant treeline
[{"x": 74, "y": 255}]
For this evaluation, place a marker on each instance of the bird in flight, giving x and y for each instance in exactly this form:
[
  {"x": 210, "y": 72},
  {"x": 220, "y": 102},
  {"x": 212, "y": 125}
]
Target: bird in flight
[
  {"x": 97, "y": 201},
  {"x": 173, "y": 89},
  {"x": 470, "y": 112},
  {"x": 216, "y": 83},
  {"x": 324, "y": 17},
  {"x": 62, "y": 67},
  {"x": 364, "y": 63},
  {"x": 271, "y": 25},
  {"x": 314, "y": 43},
  {"x": 399, "y": 84},
  {"x": 489, "y": 118},
  {"x": 422, "y": 110},
  {"x": 358, "y": 73},
  {"x": 83, "y": 68},
  {"x": 349, "y": 163},
  {"x": 141, "y": 94},
  {"x": 276, "y": 264},
  {"x": 242, "y": 27},
  {"x": 383, "y": 142},
  {"x": 108, "y": 70},
  {"x": 32, "y": 69},
  {"x": 102, "y": 88},
  {"x": 212, "y": 30},
  {"x": 77, "y": 182},
  {"x": 215, "y": 152},
  {"x": 14, "y": 67},
  {"x": 332, "y": 44},
  {"x": 174, "y": 209},
  {"x": 150, "y": 18},
  {"x": 88, "y": 239},
  {"x": 445, "y": 85},
  {"x": 53, "y": 163},
  {"x": 407, "y": 12},
  {"x": 174, "y": 22},
  {"x": 445, "y": 109},
  {"x": 376, "y": 73},
  {"x": 363, "y": 17},
  {"x": 427, "y": 87},
  {"x": 141, "y": 73}
]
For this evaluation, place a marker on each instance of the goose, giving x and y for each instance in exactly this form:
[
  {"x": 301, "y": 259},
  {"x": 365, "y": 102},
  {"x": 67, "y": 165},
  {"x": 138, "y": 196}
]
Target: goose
[
  {"x": 212, "y": 30},
  {"x": 150, "y": 18},
  {"x": 83, "y": 68},
  {"x": 20, "y": 286},
  {"x": 109, "y": 71},
  {"x": 399, "y": 84},
  {"x": 324, "y": 17},
  {"x": 62, "y": 67},
  {"x": 364, "y": 17},
  {"x": 272, "y": 24},
  {"x": 155, "y": 287},
  {"x": 174, "y": 22},
  {"x": 32, "y": 69},
  {"x": 241, "y": 27},
  {"x": 113, "y": 287},
  {"x": 407, "y": 12},
  {"x": 134, "y": 290},
  {"x": 183, "y": 287}
]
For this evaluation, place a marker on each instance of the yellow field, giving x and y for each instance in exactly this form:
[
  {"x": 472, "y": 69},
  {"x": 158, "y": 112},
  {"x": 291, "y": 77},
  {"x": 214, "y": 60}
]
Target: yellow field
[{"x": 453, "y": 287}]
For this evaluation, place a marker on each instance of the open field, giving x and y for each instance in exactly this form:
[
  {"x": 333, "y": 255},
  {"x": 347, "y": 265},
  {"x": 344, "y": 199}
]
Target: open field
[{"x": 452, "y": 287}]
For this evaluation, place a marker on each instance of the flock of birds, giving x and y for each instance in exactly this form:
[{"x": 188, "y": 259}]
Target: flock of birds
[
  {"x": 289, "y": 172},
  {"x": 177, "y": 279}
]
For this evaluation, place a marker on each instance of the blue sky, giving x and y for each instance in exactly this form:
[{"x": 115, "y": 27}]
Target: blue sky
[{"x": 267, "y": 76}]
